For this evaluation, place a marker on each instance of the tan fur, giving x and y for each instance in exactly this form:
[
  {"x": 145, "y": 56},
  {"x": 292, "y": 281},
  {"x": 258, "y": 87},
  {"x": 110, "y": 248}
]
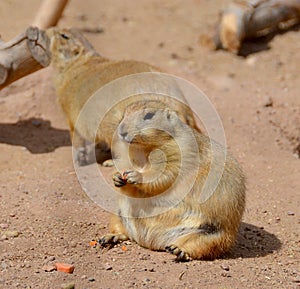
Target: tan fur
[
  {"x": 80, "y": 71},
  {"x": 190, "y": 229}
]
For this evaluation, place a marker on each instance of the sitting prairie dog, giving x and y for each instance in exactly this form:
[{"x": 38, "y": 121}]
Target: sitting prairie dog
[
  {"x": 156, "y": 141},
  {"x": 79, "y": 72}
]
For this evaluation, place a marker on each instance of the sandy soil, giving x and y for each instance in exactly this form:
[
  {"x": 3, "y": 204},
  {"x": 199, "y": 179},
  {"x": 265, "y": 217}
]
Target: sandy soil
[{"x": 45, "y": 215}]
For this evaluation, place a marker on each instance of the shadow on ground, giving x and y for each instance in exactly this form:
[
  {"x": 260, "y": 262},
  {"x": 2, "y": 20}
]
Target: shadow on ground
[
  {"x": 251, "y": 46},
  {"x": 253, "y": 241},
  {"x": 36, "y": 134}
]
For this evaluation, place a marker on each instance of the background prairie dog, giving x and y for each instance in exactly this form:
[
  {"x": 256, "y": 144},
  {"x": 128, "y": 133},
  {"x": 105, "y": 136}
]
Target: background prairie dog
[
  {"x": 190, "y": 229},
  {"x": 79, "y": 72}
]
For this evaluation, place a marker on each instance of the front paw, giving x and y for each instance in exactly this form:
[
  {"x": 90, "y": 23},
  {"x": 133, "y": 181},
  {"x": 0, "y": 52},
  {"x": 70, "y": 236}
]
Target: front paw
[
  {"x": 112, "y": 239},
  {"x": 133, "y": 177},
  {"x": 119, "y": 180},
  {"x": 181, "y": 255}
]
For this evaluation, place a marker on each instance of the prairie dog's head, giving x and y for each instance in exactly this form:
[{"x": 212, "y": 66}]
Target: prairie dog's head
[
  {"x": 67, "y": 45},
  {"x": 148, "y": 127}
]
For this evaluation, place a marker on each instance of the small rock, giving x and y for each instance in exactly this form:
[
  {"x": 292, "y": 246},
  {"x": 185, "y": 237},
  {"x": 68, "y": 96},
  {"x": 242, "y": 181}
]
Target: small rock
[
  {"x": 251, "y": 61},
  {"x": 49, "y": 268},
  {"x": 225, "y": 267},
  {"x": 268, "y": 103},
  {"x": 68, "y": 286},
  {"x": 4, "y": 266},
  {"x": 277, "y": 219},
  {"x": 147, "y": 280},
  {"x": 296, "y": 280},
  {"x": 225, "y": 274},
  {"x": 83, "y": 277},
  {"x": 12, "y": 234},
  {"x": 91, "y": 279},
  {"x": 12, "y": 215},
  {"x": 3, "y": 237},
  {"x": 107, "y": 267},
  {"x": 290, "y": 213},
  {"x": 3, "y": 226},
  {"x": 73, "y": 244},
  {"x": 51, "y": 258}
]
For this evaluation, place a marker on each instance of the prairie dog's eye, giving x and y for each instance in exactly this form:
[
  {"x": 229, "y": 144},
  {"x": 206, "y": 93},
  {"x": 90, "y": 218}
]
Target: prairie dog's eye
[
  {"x": 64, "y": 36},
  {"x": 148, "y": 115}
]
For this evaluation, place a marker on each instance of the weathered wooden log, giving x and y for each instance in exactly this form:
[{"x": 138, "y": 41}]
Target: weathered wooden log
[
  {"x": 249, "y": 19},
  {"x": 49, "y": 13},
  {"x": 23, "y": 55}
]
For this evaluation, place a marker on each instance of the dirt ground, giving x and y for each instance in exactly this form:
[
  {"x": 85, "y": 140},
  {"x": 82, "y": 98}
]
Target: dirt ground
[{"x": 45, "y": 215}]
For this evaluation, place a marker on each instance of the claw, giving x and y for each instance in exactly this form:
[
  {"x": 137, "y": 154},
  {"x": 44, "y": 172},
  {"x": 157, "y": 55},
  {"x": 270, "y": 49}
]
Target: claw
[
  {"x": 112, "y": 239},
  {"x": 181, "y": 255},
  {"x": 118, "y": 180}
]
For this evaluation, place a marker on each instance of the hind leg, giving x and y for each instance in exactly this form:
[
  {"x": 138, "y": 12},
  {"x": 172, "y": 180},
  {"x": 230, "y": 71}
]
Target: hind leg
[{"x": 200, "y": 246}]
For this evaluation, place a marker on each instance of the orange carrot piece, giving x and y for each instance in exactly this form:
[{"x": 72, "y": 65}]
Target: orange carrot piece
[
  {"x": 67, "y": 268},
  {"x": 93, "y": 243}
]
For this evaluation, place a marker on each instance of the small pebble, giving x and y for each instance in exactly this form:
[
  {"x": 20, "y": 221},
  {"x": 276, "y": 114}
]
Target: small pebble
[
  {"x": 107, "y": 267},
  {"x": 225, "y": 274},
  {"x": 296, "y": 280},
  {"x": 225, "y": 267},
  {"x": 68, "y": 286},
  {"x": 91, "y": 279},
  {"x": 4, "y": 265},
  {"x": 49, "y": 268},
  {"x": 3, "y": 226},
  {"x": 290, "y": 213},
  {"x": 73, "y": 244},
  {"x": 12, "y": 234},
  {"x": 3, "y": 237},
  {"x": 268, "y": 102},
  {"x": 251, "y": 61}
]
